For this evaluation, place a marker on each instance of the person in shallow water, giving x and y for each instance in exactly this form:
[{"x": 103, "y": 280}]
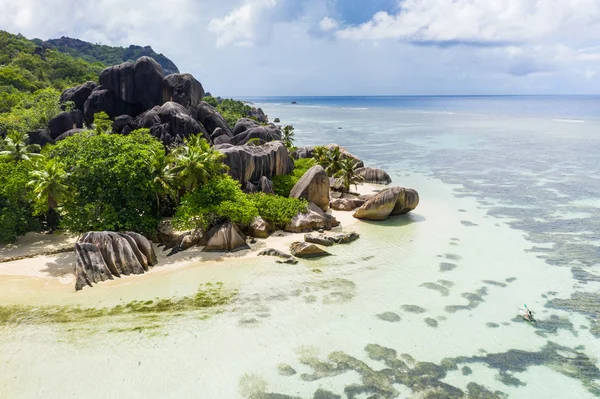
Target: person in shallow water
[{"x": 527, "y": 314}]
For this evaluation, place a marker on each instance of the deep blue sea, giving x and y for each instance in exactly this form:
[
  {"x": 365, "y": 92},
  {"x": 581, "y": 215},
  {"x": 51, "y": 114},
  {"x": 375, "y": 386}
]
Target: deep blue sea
[{"x": 577, "y": 107}]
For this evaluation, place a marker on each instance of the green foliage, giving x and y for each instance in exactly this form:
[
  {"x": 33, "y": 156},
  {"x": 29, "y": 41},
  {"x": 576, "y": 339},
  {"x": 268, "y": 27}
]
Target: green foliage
[
  {"x": 329, "y": 159},
  {"x": 347, "y": 175},
  {"x": 195, "y": 164},
  {"x": 107, "y": 55},
  {"x": 254, "y": 142},
  {"x": 277, "y": 210},
  {"x": 218, "y": 200},
  {"x": 102, "y": 123},
  {"x": 211, "y": 101},
  {"x": 15, "y": 147},
  {"x": 287, "y": 136},
  {"x": 232, "y": 110},
  {"x": 27, "y": 70},
  {"x": 283, "y": 184},
  {"x": 48, "y": 182},
  {"x": 25, "y": 112},
  {"x": 114, "y": 180},
  {"x": 15, "y": 200}
]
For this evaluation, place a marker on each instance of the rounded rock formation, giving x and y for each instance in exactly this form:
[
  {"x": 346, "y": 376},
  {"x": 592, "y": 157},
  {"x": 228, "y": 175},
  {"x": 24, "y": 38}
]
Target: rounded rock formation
[
  {"x": 183, "y": 89},
  {"x": 374, "y": 175},
  {"x": 314, "y": 187},
  {"x": 307, "y": 250},
  {"x": 388, "y": 202}
]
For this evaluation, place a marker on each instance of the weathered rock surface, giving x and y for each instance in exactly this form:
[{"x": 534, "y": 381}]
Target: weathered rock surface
[
  {"x": 123, "y": 124},
  {"x": 265, "y": 186},
  {"x": 259, "y": 114},
  {"x": 225, "y": 238},
  {"x": 330, "y": 239},
  {"x": 286, "y": 258},
  {"x": 265, "y": 133},
  {"x": 148, "y": 78},
  {"x": 171, "y": 123},
  {"x": 183, "y": 89},
  {"x": 40, "y": 137},
  {"x": 78, "y": 94},
  {"x": 212, "y": 120},
  {"x": 320, "y": 239},
  {"x": 276, "y": 120},
  {"x": 345, "y": 204},
  {"x": 314, "y": 187},
  {"x": 374, "y": 175},
  {"x": 69, "y": 133},
  {"x": 120, "y": 81},
  {"x": 313, "y": 219},
  {"x": 244, "y": 124},
  {"x": 308, "y": 152},
  {"x": 388, "y": 202},
  {"x": 249, "y": 164},
  {"x": 259, "y": 228},
  {"x": 102, "y": 255},
  {"x": 307, "y": 250},
  {"x": 65, "y": 121}
]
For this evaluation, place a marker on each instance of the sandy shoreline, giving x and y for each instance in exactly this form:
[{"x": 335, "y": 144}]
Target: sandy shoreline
[{"x": 55, "y": 272}]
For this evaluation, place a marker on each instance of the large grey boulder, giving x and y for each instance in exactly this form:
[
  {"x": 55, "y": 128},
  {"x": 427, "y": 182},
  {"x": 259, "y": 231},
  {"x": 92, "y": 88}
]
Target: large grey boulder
[
  {"x": 225, "y": 238},
  {"x": 183, "y": 89},
  {"x": 120, "y": 80},
  {"x": 78, "y": 94},
  {"x": 265, "y": 133},
  {"x": 69, "y": 133},
  {"x": 249, "y": 163},
  {"x": 123, "y": 124},
  {"x": 90, "y": 267},
  {"x": 171, "y": 123},
  {"x": 259, "y": 228},
  {"x": 148, "y": 78},
  {"x": 212, "y": 120},
  {"x": 345, "y": 204},
  {"x": 308, "y": 152},
  {"x": 65, "y": 121},
  {"x": 374, "y": 175},
  {"x": 307, "y": 250},
  {"x": 312, "y": 219},
  {"x": 40, "y": 137},
  {"x": 244, "y": 124},
  {"x": 388, "y": 202},
  {"x": 265, "y": 186},
  {"x": 314, "y": 187},
  {"x": 102, "y": 255},
  {"x": 100, "y": 100}
]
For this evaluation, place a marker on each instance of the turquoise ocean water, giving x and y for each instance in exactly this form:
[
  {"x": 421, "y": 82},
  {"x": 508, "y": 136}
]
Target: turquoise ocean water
[{"x": 422, "y": 306}]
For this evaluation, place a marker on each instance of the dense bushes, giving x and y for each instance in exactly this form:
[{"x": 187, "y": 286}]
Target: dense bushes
[
  {"x": 26, "y": 112},
  {"x": 232, "y": 110},
  {"x": 218, "y": 200},
  {"x": 277, "y": 210},
  {"x": 16, "y": 207},
  {"x": 113, "y": 180},
  {"x": 283, "y": 184},
  {"x": 222, "y": 199}
]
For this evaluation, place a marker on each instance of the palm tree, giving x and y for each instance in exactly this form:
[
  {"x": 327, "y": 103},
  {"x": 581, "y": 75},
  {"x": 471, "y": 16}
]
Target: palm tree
[
  {"x": 195, "y": 163},
  {"x": 50, "y": 188},
  {"x": 347, "y": 175},
  {"x": 164, "y": 181},
  {"x": 16, "y": 147},
  {"x": 320, "y": 156},
  {"x": 288, "y": 136},
  {"x": 334, "y": 161}
]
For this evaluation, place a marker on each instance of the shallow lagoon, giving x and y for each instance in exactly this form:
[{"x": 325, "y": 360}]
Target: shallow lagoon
[{"x": 421, "y": 305}]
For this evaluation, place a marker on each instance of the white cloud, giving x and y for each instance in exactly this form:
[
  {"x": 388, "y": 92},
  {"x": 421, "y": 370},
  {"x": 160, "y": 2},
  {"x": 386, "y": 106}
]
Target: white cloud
[
  {"x": 478, "y": 21},
  {"x": 328, "y": 24},
  {"x": 245, "y": 25}
]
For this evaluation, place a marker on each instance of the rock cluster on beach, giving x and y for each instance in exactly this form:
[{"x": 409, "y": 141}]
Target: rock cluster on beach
[
  {"x": 103, "y": 255},
  {"x": 389, "y": 202}
]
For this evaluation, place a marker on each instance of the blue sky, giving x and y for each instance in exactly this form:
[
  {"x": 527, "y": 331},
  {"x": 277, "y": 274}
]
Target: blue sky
[{"x": 344, "y": 47}]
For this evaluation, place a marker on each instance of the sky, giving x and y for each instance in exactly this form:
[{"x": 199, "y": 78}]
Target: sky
[{"x": 344, "y": 47}]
